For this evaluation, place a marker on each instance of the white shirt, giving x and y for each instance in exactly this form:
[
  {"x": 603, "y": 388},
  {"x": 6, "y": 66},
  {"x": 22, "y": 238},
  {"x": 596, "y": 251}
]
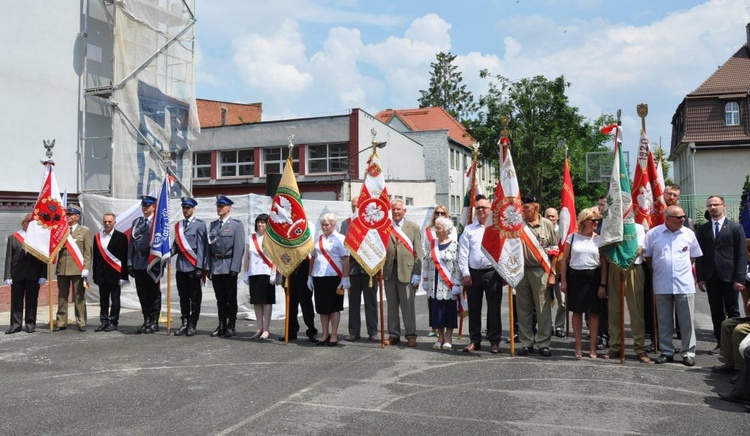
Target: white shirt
[
  {"x": 104, "y": 238},
  {"x": 470, "y": 253},
  {"x": 256, "y": 265},
  {"x": 671, "y": 254},
  {"x": 584, "y": 252},
  {"x": 334, "y": 246}
]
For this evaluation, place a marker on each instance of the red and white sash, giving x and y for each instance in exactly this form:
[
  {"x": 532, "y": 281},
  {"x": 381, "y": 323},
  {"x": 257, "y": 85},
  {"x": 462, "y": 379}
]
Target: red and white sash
[
  {"x": 328, "y": 257},
  {"x": 439, "y": 264},
  {"x": 532, "y": 243},
  {"x": 19, "y": 237},
  {"x": 401, "y": 236},
  {"x": 262, "y": 255},
  {"x": 182, "y": 242},
  {"x": 74, "y": 251},
  {"x": 110, "y": 258}
]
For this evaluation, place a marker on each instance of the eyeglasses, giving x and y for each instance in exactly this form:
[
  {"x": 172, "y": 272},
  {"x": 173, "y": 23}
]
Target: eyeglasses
[
  {"x": 594, "y": 220},
  {"x": 679, "y": 217},
  {"x": 715, "y": 205},
  {"x": 439, "y": 213},
  {"x": 481, "y": 207}
]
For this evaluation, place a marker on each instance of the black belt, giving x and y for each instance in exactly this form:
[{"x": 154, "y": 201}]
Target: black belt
[
  {"x": 222, "y": 256},
  {"x": 482, "y": 269},
  {"x": 141, "y": 254}
]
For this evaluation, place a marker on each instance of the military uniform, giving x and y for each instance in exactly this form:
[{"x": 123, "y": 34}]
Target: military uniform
[
  {"x": 226, "y": 247},
  {"x": 190, "y": 246},
  {"x": 70, "y": 275},
  {"x": 149, "y": 294}
]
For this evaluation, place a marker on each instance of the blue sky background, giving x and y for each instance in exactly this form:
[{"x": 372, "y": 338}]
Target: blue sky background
[{"x": 310, "y": 58}]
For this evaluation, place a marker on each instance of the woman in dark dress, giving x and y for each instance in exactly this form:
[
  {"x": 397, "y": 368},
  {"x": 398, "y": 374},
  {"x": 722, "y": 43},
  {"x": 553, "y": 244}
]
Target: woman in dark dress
[{"x": 579, "y": 278}]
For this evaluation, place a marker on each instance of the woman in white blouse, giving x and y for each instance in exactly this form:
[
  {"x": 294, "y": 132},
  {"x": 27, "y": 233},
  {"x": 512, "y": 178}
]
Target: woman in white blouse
[
  {"x": 260, "y": 276},
  {"x": 328, "y": 278},
  {"x": 442, "y": 281},
  {"x": 579, "y": 278}
]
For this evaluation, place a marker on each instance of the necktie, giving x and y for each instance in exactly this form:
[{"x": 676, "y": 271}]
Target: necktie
[
  {"x": 220, "y": 224},
  {"x": 716, "y": 231},
  {"x": 185, "y": 224}
]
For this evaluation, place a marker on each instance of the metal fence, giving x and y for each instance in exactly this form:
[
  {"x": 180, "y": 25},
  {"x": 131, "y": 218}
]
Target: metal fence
[{"x": 695, "y": 207}]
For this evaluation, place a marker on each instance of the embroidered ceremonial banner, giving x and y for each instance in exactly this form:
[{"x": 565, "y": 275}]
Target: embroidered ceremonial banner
[
  {"x": 368, "y": 235},
  {"x": 48, "y": 229},
  {"x": 647, "y": 193},
  {"x": 501, "y": 243},
  {"x": 288, "y": 239}
]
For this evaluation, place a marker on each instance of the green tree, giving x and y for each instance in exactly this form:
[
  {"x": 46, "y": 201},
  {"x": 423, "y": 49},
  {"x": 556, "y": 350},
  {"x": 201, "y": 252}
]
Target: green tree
[
  {"x": 540, "y": 118},
  {"x": 660, "y": 154},
  {"x": 447, "y": 90}
]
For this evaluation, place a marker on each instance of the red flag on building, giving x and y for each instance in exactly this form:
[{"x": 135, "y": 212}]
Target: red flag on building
[
  {"x": 48, "y": 228},
  {"x": 568, "y": 222},
  {"x": 502, "y": 238},
  {"x": 647, "y": 193}
]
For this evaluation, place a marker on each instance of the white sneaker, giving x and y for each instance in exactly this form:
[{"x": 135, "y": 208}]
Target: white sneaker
[
  {"x": 447, "y": 346},
  {"x": 437, "y": 345}
]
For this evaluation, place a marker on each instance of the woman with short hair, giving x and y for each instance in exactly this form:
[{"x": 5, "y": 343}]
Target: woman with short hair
[{"x": 260, "y": 276}]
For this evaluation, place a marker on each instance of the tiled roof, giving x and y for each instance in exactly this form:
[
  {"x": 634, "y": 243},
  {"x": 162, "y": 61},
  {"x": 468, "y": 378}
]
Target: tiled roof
[
  {"x": 209, "y": 113},
  {"x": 732, "y": 77},
  {"x": 428, "y": 118}
]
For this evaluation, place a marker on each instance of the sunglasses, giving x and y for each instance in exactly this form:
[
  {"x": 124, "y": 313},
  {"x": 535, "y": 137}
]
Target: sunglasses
[
  {"x": 594, "y": 220},
  {"x": 438, "y": 213},
  {"x": 679, "y": 217},
  {"x": 481, "y": 207}
]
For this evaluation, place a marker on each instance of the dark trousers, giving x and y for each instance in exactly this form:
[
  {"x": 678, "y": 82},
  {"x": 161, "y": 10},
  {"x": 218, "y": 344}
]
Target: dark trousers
[
  {"x": 23, "y": 292},
  {"x": 648, "y": 300},
  {"x": 485, "y": 283},
  {"x": 722, "y": 299},
  {"x": 361, "y": 288},
  {"x": 149, "y": 295},
  {"x": 109, "y": 291},
  {"x": 191, "y": 295},
  {"x": 300, "y": 296},
  {"x": 225, "y": 289}
]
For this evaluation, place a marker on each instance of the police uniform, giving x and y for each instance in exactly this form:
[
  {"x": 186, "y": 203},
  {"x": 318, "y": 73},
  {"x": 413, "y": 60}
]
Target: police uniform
[
  {"x": 70, "y": 275},
  {"x": 190, "y": 243},
  {"x": 149, "y": 294},
  {"x": 226, "y": 247}
]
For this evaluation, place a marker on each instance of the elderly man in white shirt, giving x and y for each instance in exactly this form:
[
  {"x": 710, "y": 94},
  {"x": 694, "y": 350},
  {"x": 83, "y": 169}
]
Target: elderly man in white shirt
[{"x": 671, "y": 250}]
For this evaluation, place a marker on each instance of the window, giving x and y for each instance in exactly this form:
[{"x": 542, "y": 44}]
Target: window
[
  {"x": 409, "y": 201},
  {"x": 202, "y": 165},
  {"x": 275, "y": 157},
  {"x": 453, "y": 159},
  {"x": 236, "y": 163},
  {"x": 732, "y": 113},
  {"x": 327, "y": 158}
]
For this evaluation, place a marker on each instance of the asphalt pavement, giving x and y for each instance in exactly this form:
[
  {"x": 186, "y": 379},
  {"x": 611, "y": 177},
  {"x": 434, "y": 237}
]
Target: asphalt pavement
[{"x": 89, "y": 383}]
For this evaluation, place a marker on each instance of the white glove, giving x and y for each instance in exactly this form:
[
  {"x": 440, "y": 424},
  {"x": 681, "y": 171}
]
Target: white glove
[
  {"x": 346, "y": 283},
  {"x": 124, "y": 282},
  {"x": 415, "y": 278},
  {"x": 9, "y": 282},
  {"x": 456, "y": 290},
  {"x": 310, "y": 285},
  {"x": 85, "y": 274},
  {"x": 246, "y": 278},
  {"x": 272, "y": 279},
  {"x": 42, "y": 281}
]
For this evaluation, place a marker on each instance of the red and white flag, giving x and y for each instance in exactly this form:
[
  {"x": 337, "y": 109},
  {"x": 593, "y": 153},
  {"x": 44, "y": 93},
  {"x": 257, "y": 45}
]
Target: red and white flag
[
  {"x": 474, "y": 188},
  {"x": 568, "y": 222},
  {"x": 647, "y": 193},
  {"x": 502, "y": 238},
  {"x": 48, "y": 229},
  {"x": 368, "y": 235}
]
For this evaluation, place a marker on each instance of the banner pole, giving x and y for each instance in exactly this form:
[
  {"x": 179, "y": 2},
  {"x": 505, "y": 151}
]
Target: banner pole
[
  {"x": 286, "y": 316},
  {"x": 169, "y": 298},
  {"x": 382, "y": 315},
  {"x": 511, "y": 321},
  {"x": 622, "y": 317},
  {"x": 49, "y": 289}
]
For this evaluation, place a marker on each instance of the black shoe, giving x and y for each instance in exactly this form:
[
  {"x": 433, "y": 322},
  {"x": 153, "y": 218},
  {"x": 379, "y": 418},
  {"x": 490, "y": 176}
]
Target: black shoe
[
  {"x": 229, "y": 332},
  {"x": 58, "y": 328},
  {"x": 523, "y": 351},
  {"x": 12, "y": 330},
  {"x": 664, "y": 359},
  {"x": 181, "y": 331},
  {"x": 218, "y": 332},
  {"x": 154, "y": 327},
  {"x": 545, "y": 352},
  {"x": 732, "y": 397},
  {"x": 190, "y": 331},
  {"x": 559, "y": 333},
  {"x": 688, "y": 361},
  {"x": 81, "y": 328},
  {"x": 103, "y": 326},
  {"x": 323, "y": 342},
  {"x": 148, "y": 329},
  {"x": 30, "y": 328},
  {"x": 313, "y": 339},
  {"x": 715, "y": 351},
  {"x": 727, "y": 368},
  {"x": 142, "y": 328},
  {"x": 650, "y": 348},
  {"x": 111, "y": 327}
]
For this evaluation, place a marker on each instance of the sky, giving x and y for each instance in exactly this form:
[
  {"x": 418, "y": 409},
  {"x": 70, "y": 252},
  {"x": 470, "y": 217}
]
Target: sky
[{"x": 308, "y": 58}]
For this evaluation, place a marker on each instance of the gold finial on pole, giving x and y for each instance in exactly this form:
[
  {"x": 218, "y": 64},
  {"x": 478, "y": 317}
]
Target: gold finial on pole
[
  {"x": 504, "y": 120},
  {"x": 373, "y": 134},
  {"x": 291, "y": 142},
  {"x": 642, "y": 110}
]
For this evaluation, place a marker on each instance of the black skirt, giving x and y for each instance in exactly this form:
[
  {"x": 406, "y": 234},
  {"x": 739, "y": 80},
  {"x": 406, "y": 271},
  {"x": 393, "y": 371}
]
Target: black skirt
[
  {"x": 582, "y": 287},
  {"x": 327, "y": 301},
  {"x": 261, "y": 290}
]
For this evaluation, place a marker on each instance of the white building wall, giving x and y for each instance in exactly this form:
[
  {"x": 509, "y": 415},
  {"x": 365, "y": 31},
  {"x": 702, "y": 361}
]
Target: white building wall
[
  {"x": 41, "y": 64},
  {"x": 402, "y": 158}
]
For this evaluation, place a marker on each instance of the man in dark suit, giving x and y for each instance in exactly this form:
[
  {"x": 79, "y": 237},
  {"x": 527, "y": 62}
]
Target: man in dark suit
[
  {"x": 226, "y": 247},
  {"x": 402, "y": 273},
  {"x": 24, "y": 274},
  {"x": 110, "y": 271},
  {"x": 149, "y": 294},
  {"x": 721, "y": 270},
  {"x": 190, "y": 246}
]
